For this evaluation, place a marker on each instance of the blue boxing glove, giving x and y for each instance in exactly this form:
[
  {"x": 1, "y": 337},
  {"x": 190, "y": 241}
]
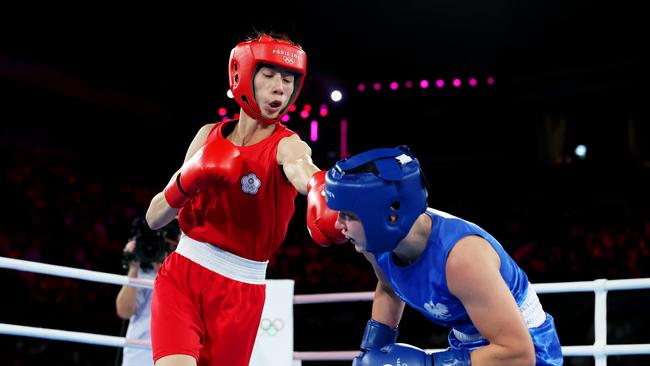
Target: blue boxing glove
[
  {"x": 394, "y": 354},
  {"x": 376, "y": 336}
]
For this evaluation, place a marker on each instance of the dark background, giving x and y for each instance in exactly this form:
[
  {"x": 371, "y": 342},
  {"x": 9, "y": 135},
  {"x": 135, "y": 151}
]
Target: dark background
[{"x": 98, "y": 106}]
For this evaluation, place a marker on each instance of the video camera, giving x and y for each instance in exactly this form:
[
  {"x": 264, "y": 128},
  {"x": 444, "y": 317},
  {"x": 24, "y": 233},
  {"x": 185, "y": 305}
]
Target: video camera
[{"x": 150, "y": 245}]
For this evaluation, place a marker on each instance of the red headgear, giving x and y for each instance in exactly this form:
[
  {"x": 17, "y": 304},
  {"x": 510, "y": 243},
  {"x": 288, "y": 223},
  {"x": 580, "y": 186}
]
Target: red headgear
[{"x": 245, "y": 59}]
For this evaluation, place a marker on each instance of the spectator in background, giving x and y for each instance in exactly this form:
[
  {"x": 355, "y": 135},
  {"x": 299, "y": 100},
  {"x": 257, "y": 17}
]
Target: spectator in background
[{"x": 142, "y": 255}]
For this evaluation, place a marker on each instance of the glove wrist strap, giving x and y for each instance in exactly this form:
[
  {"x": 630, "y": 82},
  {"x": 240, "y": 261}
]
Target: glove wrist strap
[
  {"x": 377, "y": 335},
  {"x": 180, "y": 187},
  {"x": 174, "y": 193}
]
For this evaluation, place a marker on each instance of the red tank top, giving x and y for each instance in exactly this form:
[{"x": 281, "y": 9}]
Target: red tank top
[{"x": 250, "y": 218}]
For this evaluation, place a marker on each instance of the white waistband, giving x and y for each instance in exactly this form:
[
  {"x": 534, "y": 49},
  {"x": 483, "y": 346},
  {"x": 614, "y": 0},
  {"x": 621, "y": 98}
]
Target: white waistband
[
  {"x": 221, "y": 261},
  {"x": 531, "y": 310}
]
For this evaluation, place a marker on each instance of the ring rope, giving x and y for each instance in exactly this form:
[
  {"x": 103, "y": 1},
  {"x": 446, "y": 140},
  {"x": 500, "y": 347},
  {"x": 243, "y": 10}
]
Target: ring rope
[{"x": 600, "y": 350}]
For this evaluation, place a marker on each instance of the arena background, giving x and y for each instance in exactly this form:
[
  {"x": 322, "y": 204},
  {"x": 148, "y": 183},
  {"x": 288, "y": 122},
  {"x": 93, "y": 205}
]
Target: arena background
[{"x": 99, "y": 105}]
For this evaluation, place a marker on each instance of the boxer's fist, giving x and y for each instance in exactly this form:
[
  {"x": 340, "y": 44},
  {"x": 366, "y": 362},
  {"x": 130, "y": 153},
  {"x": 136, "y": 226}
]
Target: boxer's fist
[
  {"x": 216, "y": 163},
  {"x": 321, "y": 219},
  {"x": 393, "y": 354}
]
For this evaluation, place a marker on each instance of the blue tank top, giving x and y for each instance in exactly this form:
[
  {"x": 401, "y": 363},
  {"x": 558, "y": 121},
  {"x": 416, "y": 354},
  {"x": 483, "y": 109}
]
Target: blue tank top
[{"x": 423, "y": 284}]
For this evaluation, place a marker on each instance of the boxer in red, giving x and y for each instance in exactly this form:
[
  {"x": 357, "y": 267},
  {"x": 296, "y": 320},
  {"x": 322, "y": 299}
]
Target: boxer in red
[{"x": 234, "y": 197}]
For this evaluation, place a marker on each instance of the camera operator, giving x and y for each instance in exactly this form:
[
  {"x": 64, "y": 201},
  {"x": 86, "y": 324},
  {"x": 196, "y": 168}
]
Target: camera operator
[{"x": 142, "y": 256}]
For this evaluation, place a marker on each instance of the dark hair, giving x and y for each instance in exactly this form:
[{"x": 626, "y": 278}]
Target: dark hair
[{"x": 277, "y": 35}]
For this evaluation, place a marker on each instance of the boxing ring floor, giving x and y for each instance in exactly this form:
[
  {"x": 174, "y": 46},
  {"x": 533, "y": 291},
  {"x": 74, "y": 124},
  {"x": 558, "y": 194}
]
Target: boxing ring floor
[{"x": 599, "y": 350}]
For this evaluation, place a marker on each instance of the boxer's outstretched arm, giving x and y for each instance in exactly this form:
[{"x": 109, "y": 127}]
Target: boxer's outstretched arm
[
  {"x": 294, "y": 155},
  {"x": 160, "y": 213}
]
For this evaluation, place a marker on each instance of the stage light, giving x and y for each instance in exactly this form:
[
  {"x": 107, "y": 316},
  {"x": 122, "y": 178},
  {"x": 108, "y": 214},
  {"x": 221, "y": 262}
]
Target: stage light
[
  {"x": 344, "y": 139},
  {"x": 336, "y": 95},
  {"x": 581, "y": 151},
  {"x": 313, "y": 135}
]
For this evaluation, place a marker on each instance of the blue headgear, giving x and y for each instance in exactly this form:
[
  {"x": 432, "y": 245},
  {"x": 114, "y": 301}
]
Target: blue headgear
[{"x": 395, "y": 188}]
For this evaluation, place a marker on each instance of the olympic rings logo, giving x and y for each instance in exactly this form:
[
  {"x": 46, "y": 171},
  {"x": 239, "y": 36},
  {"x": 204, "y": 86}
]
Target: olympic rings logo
[
  {"x": 289, "y": 60},
  {"x": 271, "y": 327}
]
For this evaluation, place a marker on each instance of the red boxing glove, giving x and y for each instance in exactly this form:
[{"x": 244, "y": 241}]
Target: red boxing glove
[
  {"x": 216, "y": 163},
  {"x": 320, "y": 218}
]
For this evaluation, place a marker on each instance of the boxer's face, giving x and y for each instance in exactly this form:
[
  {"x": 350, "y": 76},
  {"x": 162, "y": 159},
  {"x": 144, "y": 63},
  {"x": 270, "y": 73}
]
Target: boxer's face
[
  {"x": 350, "y": 226},
  {"x": 273, "y": 87}
]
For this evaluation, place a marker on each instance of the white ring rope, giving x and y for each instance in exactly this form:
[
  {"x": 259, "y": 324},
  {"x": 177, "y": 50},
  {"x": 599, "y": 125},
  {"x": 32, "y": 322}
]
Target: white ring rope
[
  {"x": 600, "y": 350},
  {"x": 66, "y": 335},
  {"x": 80, "y": 274}
]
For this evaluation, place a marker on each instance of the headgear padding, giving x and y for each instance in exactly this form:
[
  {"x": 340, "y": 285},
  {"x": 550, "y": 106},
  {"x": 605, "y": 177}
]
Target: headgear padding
[
  {"x": 393, "y": 187},
  {"x": 245, "y": 60}
]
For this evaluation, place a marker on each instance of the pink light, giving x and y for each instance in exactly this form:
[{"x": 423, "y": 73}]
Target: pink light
[
  {"x": 292, "y": 108},
  {"x": 408, "y": 84},
  {"x": 490, "y": 80},
  {"x": 361, "y": 87},
  {"x": 394, "y": 85},
  {"x": 424, "y": 84},
  {"x": 344, "y": 139},
  {"x": 285, "y": 118},
  {"x": 306, "y": 107},
  {"x": 222, "y": 111},
  {"x": 440, "y": 83},
  {"x": 472, "y": 82},
  {"x": 376, "y": 86},
  {"x": 304, "y": 114},
  {"x": 314, "y": 131},
  {"x": 456, "y": 83},
  {"x": 224, "y": 118},
  {"x": 323, "y": 110}
]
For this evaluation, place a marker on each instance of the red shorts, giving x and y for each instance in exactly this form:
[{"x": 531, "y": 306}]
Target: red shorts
[{"x": 203, "y": 313}]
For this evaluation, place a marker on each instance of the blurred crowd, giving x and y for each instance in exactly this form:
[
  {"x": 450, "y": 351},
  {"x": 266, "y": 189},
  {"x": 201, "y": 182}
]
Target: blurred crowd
[{"x": 61, "y": 214}]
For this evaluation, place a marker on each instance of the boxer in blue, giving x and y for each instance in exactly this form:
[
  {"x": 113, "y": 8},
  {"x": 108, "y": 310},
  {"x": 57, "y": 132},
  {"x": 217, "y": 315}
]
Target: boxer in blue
[{"x": 452, "y": 271}]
